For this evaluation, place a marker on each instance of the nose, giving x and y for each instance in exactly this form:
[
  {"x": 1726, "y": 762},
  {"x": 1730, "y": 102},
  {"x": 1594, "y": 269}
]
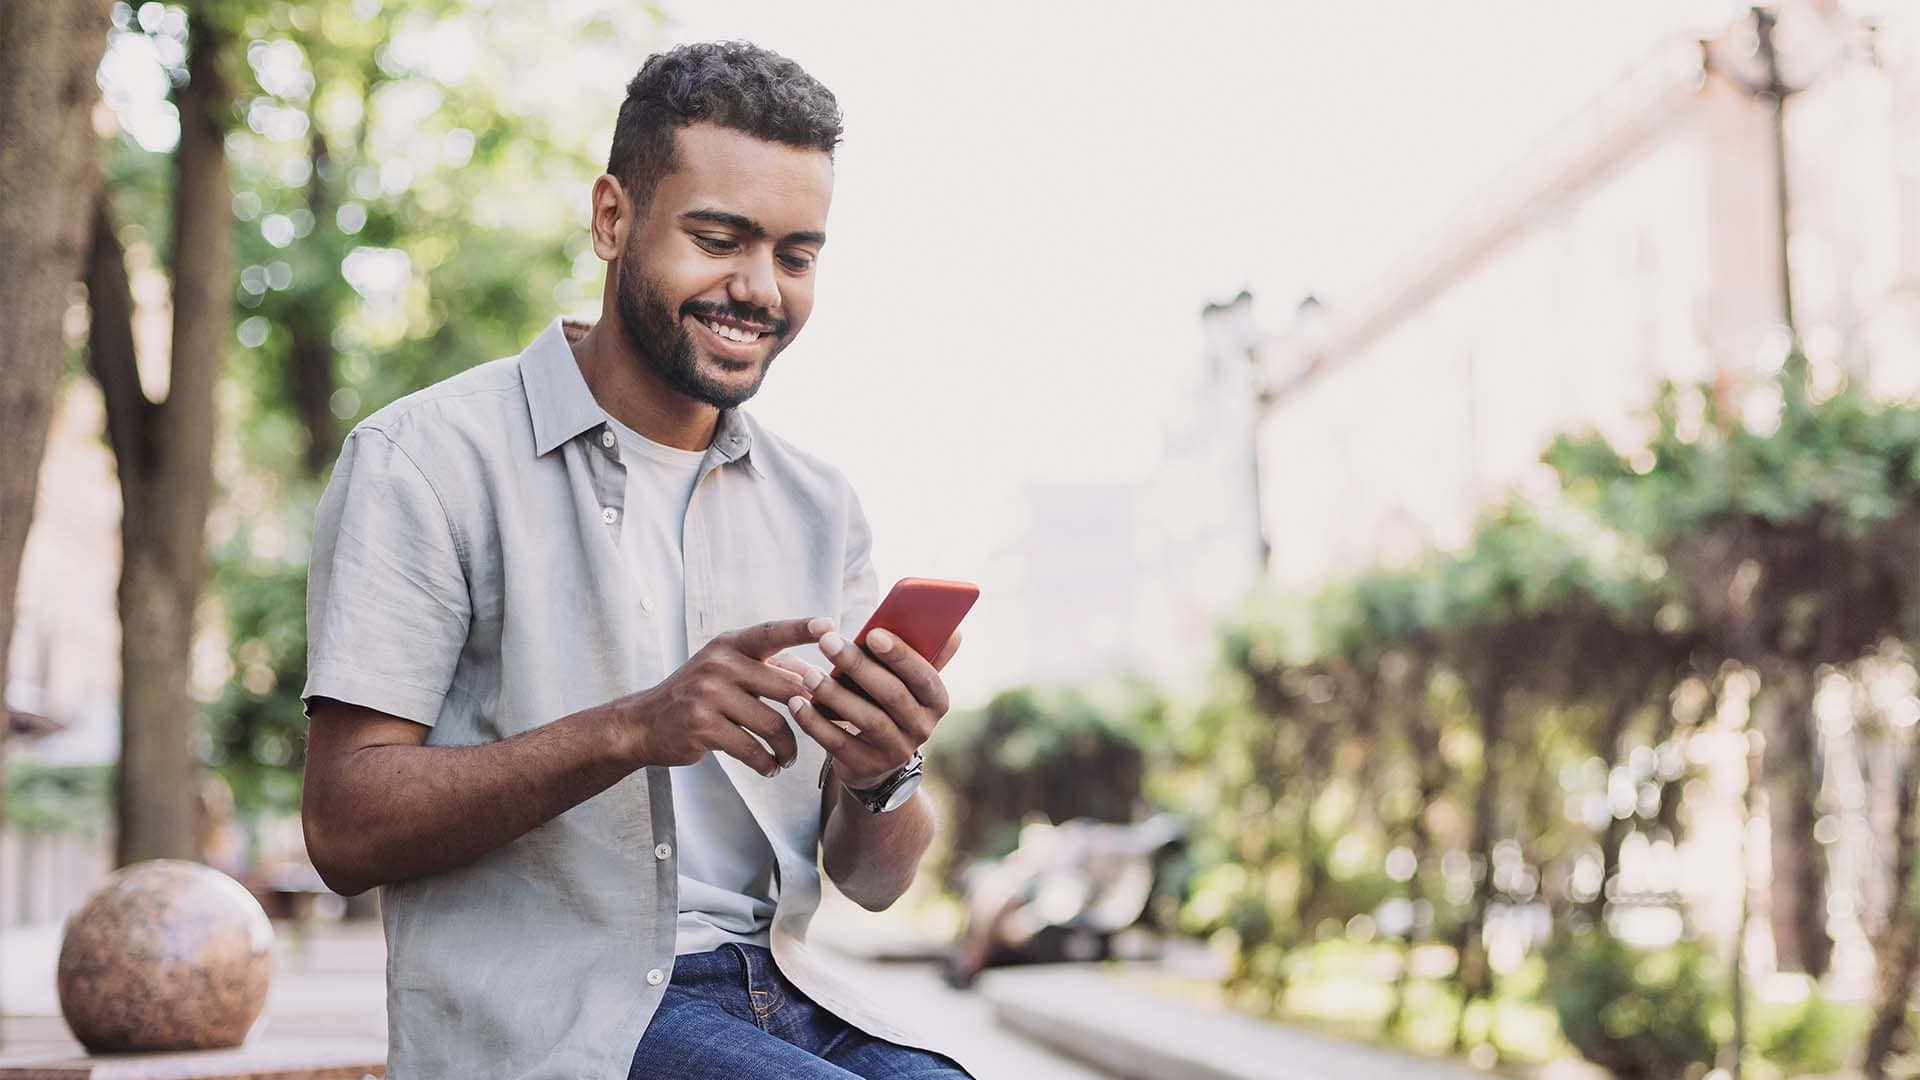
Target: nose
[{"x": 755, "y": 284}]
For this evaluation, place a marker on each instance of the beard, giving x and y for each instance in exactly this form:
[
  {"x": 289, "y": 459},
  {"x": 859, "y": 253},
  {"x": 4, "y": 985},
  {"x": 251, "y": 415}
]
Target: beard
[{"x": 666, "y": 346}]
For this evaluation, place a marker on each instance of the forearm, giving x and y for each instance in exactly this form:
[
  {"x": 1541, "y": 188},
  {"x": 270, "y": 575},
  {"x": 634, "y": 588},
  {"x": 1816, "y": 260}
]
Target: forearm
[
  {"x": 873, "y": 857},
  {"x": 394, "y": 812}
]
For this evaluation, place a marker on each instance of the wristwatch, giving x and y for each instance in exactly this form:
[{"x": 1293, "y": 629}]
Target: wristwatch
[{"x": 893, "y": 792}]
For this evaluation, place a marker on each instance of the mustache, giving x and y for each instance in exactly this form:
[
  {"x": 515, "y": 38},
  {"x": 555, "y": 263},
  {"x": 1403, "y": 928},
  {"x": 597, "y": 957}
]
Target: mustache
[{"x": 758, "y": 318}]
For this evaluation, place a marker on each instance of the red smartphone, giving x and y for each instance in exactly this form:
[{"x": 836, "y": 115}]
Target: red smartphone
[{"x": 923, "y": 612}]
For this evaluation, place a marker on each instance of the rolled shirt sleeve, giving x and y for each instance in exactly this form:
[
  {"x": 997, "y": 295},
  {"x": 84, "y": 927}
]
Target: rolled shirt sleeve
[{"x": 387, "y": 598}]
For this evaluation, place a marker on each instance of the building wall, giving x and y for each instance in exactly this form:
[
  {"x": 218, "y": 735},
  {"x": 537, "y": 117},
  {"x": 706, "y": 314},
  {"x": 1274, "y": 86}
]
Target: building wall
[{"x": 1660, "y": 263}]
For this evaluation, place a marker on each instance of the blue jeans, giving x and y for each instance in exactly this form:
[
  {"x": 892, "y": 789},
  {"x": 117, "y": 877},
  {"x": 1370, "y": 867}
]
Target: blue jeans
[{"x": 730, "y": 1015}]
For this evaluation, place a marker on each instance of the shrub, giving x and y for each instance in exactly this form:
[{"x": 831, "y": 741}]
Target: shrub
[
  {"x": 1058, "y": 753},
  {"x": 1641, "y": 1014},
  {"x": 1813, "y": 1035},
  {"x": 58, "y": 798}
]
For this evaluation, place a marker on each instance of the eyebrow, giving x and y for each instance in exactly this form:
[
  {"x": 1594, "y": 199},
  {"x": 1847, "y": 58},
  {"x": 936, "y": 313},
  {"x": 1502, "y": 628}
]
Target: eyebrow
[{"x": 753, "y": 228}]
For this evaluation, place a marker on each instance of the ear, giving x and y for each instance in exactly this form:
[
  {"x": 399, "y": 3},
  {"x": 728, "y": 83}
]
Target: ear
[{"x": 612, "y": 217}]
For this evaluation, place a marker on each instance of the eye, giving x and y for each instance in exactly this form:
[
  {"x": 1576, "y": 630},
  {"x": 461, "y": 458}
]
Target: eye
[
  {"x": 797, "y": 262},
  {"x": 716, "y": 245}
]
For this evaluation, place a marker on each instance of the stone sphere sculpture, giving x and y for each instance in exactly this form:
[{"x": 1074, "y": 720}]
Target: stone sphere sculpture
[{"x": 165, "y": 955}]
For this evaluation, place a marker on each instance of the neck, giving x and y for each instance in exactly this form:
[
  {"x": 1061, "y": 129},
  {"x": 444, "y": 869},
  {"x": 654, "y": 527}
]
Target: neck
[{"x": 627, "y": 388}]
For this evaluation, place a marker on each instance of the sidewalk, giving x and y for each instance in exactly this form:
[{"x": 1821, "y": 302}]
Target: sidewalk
[
  {"x": 331, "y": 989},
  {"x": 1099, "y": 1015},
  {"x": 1116, "y": 1021},
  {"x": 1053, "y": 1022}
]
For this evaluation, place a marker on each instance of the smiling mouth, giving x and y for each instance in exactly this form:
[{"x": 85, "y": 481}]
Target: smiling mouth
[
  {"x": 733, "y": 333},
  {"x": 726, "y": 331}
]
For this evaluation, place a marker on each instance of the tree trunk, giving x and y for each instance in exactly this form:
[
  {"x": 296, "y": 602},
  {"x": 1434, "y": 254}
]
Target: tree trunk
[
  {"x": 157, "y": 777},
  {"x": 165, "y": 456},
  {"x": 49, "y": 169},
  {"x": 310, "y": 380},
  {"x": 1474, "y": 976},
  {"x": 1897, "y": 949},
  {"x": 1313, "y": 873},
  {"x": 1614, "y": 835},
  {"x": 1797, "y": 900},
  {"x": 1423, "y": 738},
  {"x": 1307, "y": 784}
]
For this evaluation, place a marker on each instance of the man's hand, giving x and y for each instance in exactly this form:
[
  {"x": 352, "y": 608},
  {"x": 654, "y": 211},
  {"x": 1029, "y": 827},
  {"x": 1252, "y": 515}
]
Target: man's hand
[
  {"x": 713, "y": 701},
  {"x": 904, "y": 700}
]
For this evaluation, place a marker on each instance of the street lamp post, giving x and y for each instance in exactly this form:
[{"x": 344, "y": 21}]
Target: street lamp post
[
  {"x": 1274, "y": 367},
  {"x": 1232, "y": 335},
  {"x": 1763, "y": 74}
]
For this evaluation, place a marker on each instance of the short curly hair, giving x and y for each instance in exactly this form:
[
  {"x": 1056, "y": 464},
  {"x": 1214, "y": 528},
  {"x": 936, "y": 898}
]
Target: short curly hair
[{"x": 734, "y": 84}]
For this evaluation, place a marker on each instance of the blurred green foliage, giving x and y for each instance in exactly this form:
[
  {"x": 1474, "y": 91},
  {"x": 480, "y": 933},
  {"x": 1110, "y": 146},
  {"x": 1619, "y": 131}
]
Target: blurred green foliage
[
  {"x": 45, "y": 798},
  {"x": 1640, "y": 1014},
  {"x": 1414, "y": 751},
  {"x": 1812, "y": 1035},
  {"x": 1347, "y": 989},
  {"x": 257, "y": 725},
  {"x": 1056, "y": 753}
]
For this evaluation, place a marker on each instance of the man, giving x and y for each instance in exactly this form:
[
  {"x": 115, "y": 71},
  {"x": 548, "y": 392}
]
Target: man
[{"x": 550, "y": 717}]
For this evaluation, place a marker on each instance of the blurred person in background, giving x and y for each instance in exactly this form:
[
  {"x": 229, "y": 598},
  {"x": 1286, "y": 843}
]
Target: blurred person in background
[{"x": 549, "y": 714}]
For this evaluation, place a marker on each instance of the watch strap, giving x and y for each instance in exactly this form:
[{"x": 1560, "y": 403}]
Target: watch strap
[{"x": 875, "y": 798}]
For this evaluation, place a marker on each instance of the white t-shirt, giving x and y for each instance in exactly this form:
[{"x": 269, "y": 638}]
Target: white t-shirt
[{"x": 726, "y": 865}]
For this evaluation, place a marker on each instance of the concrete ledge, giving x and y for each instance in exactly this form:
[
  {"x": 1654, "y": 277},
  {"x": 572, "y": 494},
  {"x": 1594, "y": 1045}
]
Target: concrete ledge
[
  {"x": 1098, "y": 1016},
  {"x": 264, "y": 1059}
]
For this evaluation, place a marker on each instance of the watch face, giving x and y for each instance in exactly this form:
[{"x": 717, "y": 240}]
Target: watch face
[{"x": 898, "y": 797}]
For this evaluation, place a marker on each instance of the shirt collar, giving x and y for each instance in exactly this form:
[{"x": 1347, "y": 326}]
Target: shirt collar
[
  {"x": 733, "y": 439},
  {"x": 562, "y": 407}
]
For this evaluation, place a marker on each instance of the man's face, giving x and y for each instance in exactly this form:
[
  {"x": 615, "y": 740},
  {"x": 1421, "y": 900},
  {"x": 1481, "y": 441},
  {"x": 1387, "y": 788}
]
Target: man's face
[{"x": 717, "y": 275}]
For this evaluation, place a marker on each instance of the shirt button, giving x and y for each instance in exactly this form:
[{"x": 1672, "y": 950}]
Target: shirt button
[
  {"x": 609, "y": 515},
  {"x": 606, "y": 439},
  {"x": 656, "y": 977},
  {"x": 663, "y": 850},
  {"x": 646, "y": 603}
]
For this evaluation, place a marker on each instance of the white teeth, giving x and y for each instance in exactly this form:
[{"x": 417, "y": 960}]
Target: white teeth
[{"x": 732, "y": 333}]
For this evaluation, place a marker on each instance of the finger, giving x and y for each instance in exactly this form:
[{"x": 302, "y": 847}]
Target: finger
[
  {"x": 945, "y": 656},
  {"x": 875, "y": 678},
  {"x": 850, "y": 753},
  {"x": 755, "y": 716},
  {"x": 810, "y": 677},
  {"x": 799, "y": 669},
  {"x": 835, "y": 718},
  {"x": 764, "y": 639},
  {"x": 921, "y": 679},
  {"x": 767, "y": 679},
  {"x": 733, "y": 741},
  {"x": 850, "y": 704}
]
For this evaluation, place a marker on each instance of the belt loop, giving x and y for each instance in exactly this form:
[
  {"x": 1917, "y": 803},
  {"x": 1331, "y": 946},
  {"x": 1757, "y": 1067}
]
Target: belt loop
[
  {"x": 760, "y": 1001},
  {"x": 746, "y": 962}
]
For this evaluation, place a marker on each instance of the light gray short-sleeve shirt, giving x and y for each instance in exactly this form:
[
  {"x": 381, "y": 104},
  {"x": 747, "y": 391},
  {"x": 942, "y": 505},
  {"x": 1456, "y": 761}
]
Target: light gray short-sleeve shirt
[
  {"x": 467, "y": 575},
  {"x": 726, "y": 867}
]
